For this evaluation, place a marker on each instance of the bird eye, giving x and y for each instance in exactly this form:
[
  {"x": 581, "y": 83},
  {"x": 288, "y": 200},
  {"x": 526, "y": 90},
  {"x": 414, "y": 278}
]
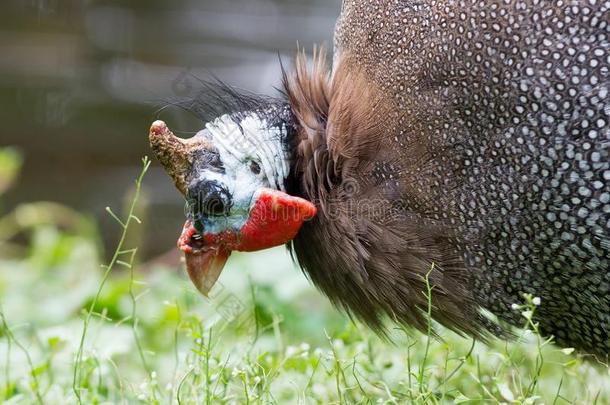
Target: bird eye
[{"x": 255, "y": 167}]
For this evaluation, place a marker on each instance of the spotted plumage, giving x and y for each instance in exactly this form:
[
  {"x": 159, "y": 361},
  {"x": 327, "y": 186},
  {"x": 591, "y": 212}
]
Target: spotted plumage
[
  {"x": 460, "y": 144},
  {"x": 510, "y": 100}
]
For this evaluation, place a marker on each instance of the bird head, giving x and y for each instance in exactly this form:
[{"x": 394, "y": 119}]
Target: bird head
[{"x": 233, "y": 174}]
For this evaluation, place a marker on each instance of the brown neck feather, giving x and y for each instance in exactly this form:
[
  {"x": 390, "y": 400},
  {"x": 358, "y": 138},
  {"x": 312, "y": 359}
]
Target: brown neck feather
[{"x": 370, "y": 247}]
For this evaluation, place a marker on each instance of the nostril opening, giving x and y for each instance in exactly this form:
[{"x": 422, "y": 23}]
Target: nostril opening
[{"x": 196, "y": 241}]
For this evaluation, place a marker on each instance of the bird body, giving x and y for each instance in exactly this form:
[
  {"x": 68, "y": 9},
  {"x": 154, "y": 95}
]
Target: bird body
[{"x": 462, "y": 144}]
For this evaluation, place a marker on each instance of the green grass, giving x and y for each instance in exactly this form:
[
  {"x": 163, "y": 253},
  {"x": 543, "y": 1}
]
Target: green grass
[{"x": 139, "y": 333}]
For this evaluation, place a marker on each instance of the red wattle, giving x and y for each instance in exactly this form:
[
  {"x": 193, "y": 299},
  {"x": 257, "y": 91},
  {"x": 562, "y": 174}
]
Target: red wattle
[{"x": 275, "y": 219}]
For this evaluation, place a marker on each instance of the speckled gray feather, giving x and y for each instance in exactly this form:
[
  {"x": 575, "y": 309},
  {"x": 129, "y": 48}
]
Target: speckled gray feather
[{"x": 501, "y": 131}]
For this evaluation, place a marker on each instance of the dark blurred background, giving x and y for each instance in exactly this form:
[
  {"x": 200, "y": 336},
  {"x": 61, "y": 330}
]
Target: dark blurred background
[{"x": 81, "y": 81}]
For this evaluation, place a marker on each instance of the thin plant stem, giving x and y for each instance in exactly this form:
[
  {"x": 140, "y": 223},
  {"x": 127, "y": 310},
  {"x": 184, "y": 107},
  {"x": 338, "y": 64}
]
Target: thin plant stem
[
  {"x": 429, "y": 329},
  {"x": 11, "y": 337},
  {"x": 115, "y": 258}
]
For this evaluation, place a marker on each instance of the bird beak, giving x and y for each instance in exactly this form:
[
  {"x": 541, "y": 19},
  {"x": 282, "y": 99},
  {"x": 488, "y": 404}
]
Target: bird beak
[
  {"x": 204, "y": 262},
  {"x": 203, "y": 265}
]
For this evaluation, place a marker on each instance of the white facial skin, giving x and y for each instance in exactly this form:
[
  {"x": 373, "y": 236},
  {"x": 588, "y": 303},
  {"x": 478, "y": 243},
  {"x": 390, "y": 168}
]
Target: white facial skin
[{"x": 243, "y": 148}]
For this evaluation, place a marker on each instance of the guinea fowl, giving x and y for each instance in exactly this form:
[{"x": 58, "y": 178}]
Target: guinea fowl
[{"x": 462, "y": 142}]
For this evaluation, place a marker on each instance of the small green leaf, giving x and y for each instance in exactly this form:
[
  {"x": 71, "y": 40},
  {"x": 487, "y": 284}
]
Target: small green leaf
[{"x": 40, "y": 370}]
